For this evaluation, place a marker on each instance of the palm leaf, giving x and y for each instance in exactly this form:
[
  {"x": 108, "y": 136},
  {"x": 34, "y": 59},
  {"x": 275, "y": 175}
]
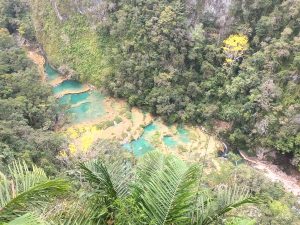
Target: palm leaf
[
  {"x": 25, "y": 188},
  {"x": 209, "y": 209},
  {"x": 166, "y": 186},
  {"x": 27, "y": 219},
  {"x": 80, "y": 216},
  {"x": 111, "y": 181}
]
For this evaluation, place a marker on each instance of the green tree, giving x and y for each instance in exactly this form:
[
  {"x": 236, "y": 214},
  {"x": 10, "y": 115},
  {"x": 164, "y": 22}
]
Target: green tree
[{"x": 27, "y": 111}]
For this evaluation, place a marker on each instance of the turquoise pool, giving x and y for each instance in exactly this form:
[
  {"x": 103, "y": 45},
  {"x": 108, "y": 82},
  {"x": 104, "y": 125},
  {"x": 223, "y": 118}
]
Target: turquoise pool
[
  {"x": 71, "y": 99},
  {"x": 150, "y": 128},
  {"x": 89, "y": 105},
  {"x": 84, "y": 106},
  {"x": 67, "y": 85},
  {"x": 51, "y": 73},
  {"x": 79, "y": 107},
  {"x": 141, "y": 146},
  {"x": 169, "y": 142},
  {"x": 183, "y": 134}
]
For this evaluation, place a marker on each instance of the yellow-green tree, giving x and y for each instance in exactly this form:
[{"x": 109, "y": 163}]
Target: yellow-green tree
[{"x": 234, "y": 46}]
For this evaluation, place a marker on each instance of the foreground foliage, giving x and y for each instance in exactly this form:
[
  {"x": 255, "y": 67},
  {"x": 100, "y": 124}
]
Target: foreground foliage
[
  {"x": 160, "y": 189},
  {"x": 24, "y": 191}
]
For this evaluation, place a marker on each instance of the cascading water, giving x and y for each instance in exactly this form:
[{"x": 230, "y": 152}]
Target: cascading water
[
  {"x": 67, "y": 85},
  {"x": 51, "y": 73},
  {"x": 84, "y": 106},
  {"x": 143, "y": 144},
  {"x": 80, "y": 105}
]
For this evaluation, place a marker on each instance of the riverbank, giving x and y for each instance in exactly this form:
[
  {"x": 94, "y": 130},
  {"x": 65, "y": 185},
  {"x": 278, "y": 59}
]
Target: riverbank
[
  {"x": 274, "y": 173},
  {"x": 39, "y": 60}
]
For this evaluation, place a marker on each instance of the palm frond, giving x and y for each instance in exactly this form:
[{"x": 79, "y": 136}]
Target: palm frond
[
  {"x": 209, "y": 209},
  {"x": 22, "y": 180},
  {"x": 166, "y": 186},
  {"x": 83, "y": 212},
  {"x": 111, "y": 180},
  {"x": 25, "y": 188},
  {"x": 27, "y": 219}
]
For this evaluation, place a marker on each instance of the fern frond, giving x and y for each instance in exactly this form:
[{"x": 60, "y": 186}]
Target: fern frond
[{"x": 84, "y": 212}]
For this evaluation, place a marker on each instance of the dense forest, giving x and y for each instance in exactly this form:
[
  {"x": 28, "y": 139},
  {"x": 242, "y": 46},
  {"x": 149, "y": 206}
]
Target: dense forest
[
  {"x": 231, "y": 66},
  {"x": 179, "y": 61},
  {"x": 27, "y": 110}
]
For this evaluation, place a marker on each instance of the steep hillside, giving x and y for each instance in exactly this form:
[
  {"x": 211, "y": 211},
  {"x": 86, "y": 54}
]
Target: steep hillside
[
  {"x": 70, "y": 39},
  {"x": 27, "y": 110},
  {"x": 177, "y": 60}
]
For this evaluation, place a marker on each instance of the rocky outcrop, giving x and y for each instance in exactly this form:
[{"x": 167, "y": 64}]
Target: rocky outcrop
[
  {"x": 218, "y": 9},
  {"x": 95, "y": 9},
  {"x": 54, "y": 5},
  {"x": 216, "y": 12}
]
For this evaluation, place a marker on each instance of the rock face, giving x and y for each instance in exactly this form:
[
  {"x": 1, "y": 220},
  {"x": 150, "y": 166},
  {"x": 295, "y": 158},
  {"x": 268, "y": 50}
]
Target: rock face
[
  {"x": 95, "y": 9},
  {"x": 54, "y": 6},
  {"x": 210, "y": 11},
  {"x": 219, "y": 9},
  {"x": 216, "y": 11}
]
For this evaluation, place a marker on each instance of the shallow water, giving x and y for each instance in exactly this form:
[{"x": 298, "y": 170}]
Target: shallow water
[
  {"x": 80, "y": 107},
  {"x": 67, "y": 85},
  {"x": 183, "y": 134},
  {"x": 79, "y": 113},
  {"x": 87, "y": 106},
  {"x": 170, "y": 142},
  {"x": 51, "y": 73},
  {"x": 70, "y": 99},
  {"x": 150, "y": 128},
  {"x": 141, "y": 145}
]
